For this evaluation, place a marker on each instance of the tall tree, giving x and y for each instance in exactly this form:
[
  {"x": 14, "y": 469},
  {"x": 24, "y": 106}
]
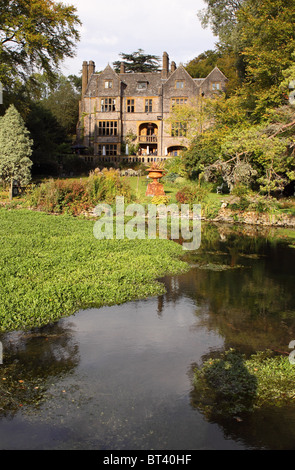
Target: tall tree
[
  {"x": 267, "y": 42},
  {"x": 221, "y": 16},
  {"x": 35, "y": 35},
  {"x": 15, "y": 149},
  {"x": 63, "y": 103},
  {"x": 138, "y": 62},
  {"x": 223, "y": 58}
]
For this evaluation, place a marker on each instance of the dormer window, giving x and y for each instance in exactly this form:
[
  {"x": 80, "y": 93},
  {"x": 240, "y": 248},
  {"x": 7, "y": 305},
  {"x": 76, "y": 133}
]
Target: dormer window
[
  {"x": 142, "y": 85},
  {"x": 108, "y": 84}
]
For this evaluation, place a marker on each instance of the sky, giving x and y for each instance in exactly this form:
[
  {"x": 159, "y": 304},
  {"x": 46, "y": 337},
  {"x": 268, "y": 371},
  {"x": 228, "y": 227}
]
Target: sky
[{"x": 110, "y": 27}]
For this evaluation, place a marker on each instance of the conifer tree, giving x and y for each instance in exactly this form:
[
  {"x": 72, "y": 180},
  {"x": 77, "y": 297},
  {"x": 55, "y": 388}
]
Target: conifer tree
[{"x": 15, "y": 149}]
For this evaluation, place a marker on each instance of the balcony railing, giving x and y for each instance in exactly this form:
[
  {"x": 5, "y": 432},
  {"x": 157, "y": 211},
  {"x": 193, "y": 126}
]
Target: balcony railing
[{"x": 148, "y": 139}]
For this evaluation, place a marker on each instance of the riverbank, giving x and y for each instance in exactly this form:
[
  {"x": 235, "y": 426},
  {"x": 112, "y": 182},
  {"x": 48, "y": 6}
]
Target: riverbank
[{"x": 266, "y": 219}]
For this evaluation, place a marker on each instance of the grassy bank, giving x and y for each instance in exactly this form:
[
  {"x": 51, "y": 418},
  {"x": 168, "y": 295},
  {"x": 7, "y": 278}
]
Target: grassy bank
[
  {"x": 52, "y": 266},
  {"x": 234, "y": 384}
]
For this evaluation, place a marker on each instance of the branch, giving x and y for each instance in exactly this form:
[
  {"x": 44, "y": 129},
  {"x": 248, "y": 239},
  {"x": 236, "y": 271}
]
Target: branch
[{"x": 286, "y": 126}]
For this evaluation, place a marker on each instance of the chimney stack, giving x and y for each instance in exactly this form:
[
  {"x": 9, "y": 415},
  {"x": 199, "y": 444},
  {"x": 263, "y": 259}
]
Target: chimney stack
[
  {"x": 84, "y": 77},
  {"x": 173, "y": 66},
  {"x": 91, "y": 69},
  {"x": 165, "y": 69},
  {"x": 122, "y": 68}
]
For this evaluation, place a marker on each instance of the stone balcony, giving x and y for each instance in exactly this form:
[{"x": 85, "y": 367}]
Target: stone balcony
[{"x": 147, "y": 139}]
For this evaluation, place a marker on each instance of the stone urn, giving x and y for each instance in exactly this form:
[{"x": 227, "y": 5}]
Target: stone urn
[{"x": 155, "y": 188}]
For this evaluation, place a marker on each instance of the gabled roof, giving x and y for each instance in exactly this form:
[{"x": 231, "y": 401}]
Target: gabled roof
[
  {"x": 214, "y": 71},
  {"x": 178, "y": 71}
]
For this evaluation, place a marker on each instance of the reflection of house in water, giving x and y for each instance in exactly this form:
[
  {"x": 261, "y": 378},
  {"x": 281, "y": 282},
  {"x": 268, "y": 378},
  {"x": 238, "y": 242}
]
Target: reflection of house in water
[{"x": 115, "y": 105}]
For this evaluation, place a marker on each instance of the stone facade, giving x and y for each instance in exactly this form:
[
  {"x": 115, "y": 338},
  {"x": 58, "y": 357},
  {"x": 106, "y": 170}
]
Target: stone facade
[{"x": 120, "y": 108}]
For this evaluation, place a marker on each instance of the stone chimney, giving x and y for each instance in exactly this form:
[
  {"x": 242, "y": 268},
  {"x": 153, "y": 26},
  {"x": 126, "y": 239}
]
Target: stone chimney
[
  {"x": 84, "y": 77},
  {"x": 165, "y": 69},
  {"x": 173, "y": 67},
  {"x": 91, "y": 69},
  {"x": 122, "y": 68}
]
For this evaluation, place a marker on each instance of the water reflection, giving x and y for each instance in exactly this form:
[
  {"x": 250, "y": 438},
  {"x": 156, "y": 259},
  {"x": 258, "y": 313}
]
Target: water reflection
[
  {"x": 121, "y": 377},
  {"x": 30, "y": 360}
]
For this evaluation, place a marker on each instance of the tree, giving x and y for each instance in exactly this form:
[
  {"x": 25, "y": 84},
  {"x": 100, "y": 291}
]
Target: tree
[
  {"x": 48, "y": 137},
  {"x": 35, "y": 36},
  {"x": 15, "y": 149},
  {"x": 63, "y": 103},
  {"x": 221, "y": 16},
  {"x": 223, "y": 58},
  {"x": 266, "y": 43},
  {"x": 138, "y": 62}
]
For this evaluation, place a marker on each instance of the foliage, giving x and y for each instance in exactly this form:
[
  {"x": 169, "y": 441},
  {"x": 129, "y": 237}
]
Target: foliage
[
  {"x": 221, "y": 15},
  {"x": 174, "y": 167},
  {"x": 79, "y": 196},
  {"x": 221, "y": 57},
  {"x": 63, "y": 103},
  {"x": 48, "y": 135},
  {"x": 53, "y": 266},
  {"x": 191, "y": 193},
  {"x": 235, "y": 150},
  {"x": 234, "y": 384},
  {"x": 159, "y": 200},
  {"x": 15, "y": 149},
  {"x": 35, "y": 35},
  {"x": 137, "y": 62}
]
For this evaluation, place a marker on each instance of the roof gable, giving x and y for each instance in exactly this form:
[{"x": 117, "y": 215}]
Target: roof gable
[{"x": 179, "y": 74}]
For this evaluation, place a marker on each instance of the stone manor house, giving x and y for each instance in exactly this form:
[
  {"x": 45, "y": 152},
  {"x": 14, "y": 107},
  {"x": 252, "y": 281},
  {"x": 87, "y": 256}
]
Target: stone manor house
[{"x": 115, "y": 106}]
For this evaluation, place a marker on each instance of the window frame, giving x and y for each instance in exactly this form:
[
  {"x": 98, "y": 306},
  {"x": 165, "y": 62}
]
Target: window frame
[
  {"x": 182, "y": 98},
  {"x": 148, "y": 105},
  {"x": 178, "y": 82},
  {"x": 130, "y": 108},
  {"x": 108, "y": 84},
  {"x": 107, "y": 105},
  {"x": 178, "y": 129},
  {"x": 111, "y": 150},
  {"x": 144, "y": 87},
  {"x": 216, "y": 86},
  {"x": 107, "y": 128}
]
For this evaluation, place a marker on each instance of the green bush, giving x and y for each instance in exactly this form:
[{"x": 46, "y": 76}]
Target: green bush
[
  {"x": 77, "y": 196},
  {"x": 234, "y": 384}
]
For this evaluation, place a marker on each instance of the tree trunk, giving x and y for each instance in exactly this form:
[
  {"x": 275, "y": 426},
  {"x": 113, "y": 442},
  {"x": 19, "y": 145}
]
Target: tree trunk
[{"x": 11, "y": 190}]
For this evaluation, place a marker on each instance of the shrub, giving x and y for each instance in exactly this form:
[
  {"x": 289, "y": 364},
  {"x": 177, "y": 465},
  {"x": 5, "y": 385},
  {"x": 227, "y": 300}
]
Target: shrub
[
  {"x": 77, "y": 196},
  {"x": 190, "y": 194},
  {"x": 186, "y": 195},
  {"x": 158, "y": 200}
]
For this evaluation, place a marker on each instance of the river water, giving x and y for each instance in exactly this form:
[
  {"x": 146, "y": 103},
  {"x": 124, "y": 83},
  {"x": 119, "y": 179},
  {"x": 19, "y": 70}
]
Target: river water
[{"x": 120, "y": 378}]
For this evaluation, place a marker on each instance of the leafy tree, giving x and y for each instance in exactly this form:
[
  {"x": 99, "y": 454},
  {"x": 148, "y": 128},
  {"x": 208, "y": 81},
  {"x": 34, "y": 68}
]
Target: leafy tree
[
  {"x": 138, "y": 62},
  {"x": 63, "y": 103},
  {"x": 35, "y": 35},
  {"x": 15, "y": 149},
  {"x": 222, "y": 57},
  {"x": 48, "y": 137},
  {"x": 266, "y": 43},
  {"x": 221, "y": 16}
]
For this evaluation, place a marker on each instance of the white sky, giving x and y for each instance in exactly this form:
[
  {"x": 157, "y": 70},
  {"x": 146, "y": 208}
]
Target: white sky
[{"x": 114, "y": 26}]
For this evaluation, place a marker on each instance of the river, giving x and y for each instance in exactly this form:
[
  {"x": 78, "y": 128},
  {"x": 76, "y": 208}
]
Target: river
[{"x": 120, "y": 377}]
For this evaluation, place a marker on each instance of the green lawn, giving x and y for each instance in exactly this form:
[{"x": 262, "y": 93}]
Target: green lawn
[{"x": 52, "y": 266}]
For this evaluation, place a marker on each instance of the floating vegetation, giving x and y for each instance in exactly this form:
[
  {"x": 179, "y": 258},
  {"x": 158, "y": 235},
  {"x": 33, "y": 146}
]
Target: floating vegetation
[
  {"x": 234, "y": 384},
  {"x": 217, "y": 267}
]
